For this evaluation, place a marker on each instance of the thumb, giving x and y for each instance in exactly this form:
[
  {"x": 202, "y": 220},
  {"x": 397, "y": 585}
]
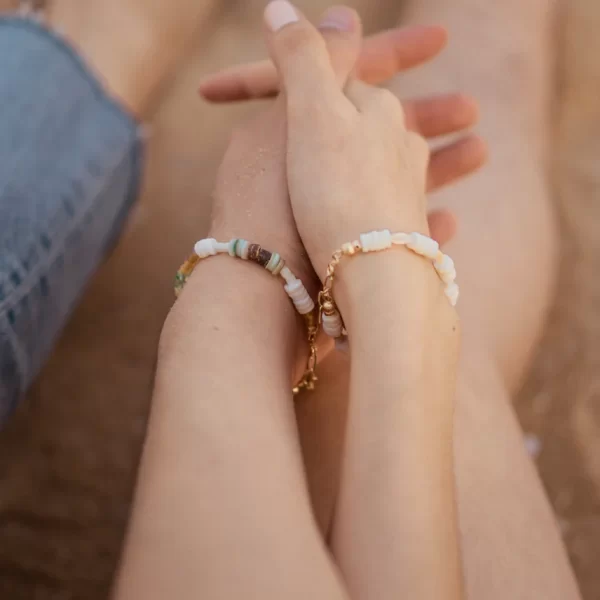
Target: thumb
[{"x": 300, "y": 54}]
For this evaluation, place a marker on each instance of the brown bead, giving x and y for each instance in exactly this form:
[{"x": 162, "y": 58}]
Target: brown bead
[
  {"x": 264, "y": 256},
  {"x": 254, "y": 252}
]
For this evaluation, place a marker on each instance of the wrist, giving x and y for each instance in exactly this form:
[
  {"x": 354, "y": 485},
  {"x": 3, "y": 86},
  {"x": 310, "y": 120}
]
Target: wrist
[
  {"x": 290, "y": 248},
  {"x": 395, "y": 311},
  {"x": 227, "y": 301},
  {"x": 394, "y": 285}
]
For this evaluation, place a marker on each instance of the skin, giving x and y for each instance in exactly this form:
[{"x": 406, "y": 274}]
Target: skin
[
  {"x": 510, "y": 541},
  {"x": 252, "y": 189},
  {"x": 147, "y": 40},
  {"x": 509, "y": 554},
  {"x": 213, "y": 429},
  {"x": 381, "y": 57},
  {"x": 502, "y": 308},
  {"x": 226, "y": 435},
  {"x": 502, "y": 311}
]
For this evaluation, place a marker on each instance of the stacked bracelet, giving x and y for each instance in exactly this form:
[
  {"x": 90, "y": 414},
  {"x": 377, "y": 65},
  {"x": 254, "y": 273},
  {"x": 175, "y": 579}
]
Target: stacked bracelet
[
  {"x": 329, "y": 315},
  {"x": 274, "y": 264}
]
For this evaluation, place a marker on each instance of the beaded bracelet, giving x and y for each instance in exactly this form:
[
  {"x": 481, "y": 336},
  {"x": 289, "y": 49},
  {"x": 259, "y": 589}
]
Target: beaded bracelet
[
  {"x": 273, "y": 263},
  {"x": 329, "y": 315}
]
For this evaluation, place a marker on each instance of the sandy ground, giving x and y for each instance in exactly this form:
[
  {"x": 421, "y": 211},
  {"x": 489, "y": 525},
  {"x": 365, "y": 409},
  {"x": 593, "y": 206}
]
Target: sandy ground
[{"x": 67, "y": 461}]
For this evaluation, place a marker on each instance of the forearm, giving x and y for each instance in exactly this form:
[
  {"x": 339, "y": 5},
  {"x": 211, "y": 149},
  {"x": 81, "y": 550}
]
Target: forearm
[
  {"x": 222, "y": 509},
  {"x": 69, "y": 173},
  {"x": 395, "y": 527}
]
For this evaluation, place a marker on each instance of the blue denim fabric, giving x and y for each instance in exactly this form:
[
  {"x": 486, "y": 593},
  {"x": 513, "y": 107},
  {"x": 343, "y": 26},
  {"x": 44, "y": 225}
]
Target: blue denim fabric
[{"x": 70, "y": 162}]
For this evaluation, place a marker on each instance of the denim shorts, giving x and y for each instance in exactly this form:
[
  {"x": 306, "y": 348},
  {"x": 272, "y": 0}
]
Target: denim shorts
[{"x": 70, "y": 163}]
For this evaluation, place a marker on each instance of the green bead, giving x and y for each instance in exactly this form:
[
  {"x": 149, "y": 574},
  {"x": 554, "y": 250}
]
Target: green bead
[{"x": 273, "y": 262}]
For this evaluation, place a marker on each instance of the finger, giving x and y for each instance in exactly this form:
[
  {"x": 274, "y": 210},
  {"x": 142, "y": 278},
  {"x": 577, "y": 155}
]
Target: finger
[
  {"x": 381, "y": 57},
  {"x": 442, "y": 225},
  {"x": 387, "y": 53},
  {"x": 342, "y": 31},
  {"x": 455, "y": 161},
  {"x": 440, "y": 115},
  {"x": 300, "y": 55},
  {"x": 241, "y": 82}
]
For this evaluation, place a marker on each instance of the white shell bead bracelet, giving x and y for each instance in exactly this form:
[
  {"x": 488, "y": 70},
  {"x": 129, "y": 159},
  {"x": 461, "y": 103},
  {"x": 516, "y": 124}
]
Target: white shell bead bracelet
[{"x": 376, "y": 241}]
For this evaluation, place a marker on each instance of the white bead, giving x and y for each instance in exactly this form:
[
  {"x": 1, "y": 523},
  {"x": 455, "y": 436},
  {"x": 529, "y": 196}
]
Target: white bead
[
  {"x": 376, "y": 240},
  {"x": 305, "y": 306},
  {"x": 400, "y": 238},
  {"x": 302, "y": 301},
  {"x": 452, "y": 292},
  {"x": 446, "y": 265},
  {"x": 222, "y": 247},
  {"x": 294, "y": 288},
  {"x": 423, "y": 245},
  {"x": 206, "y": 247},
  {"x": 244, "y": 250},
  {"x": 448, "y": 276},
  {"x": 365, "y": 241},
  {"x": 332, "y": 325},
  {"x": 287, "y": 275},
  {"x": 384, "y": 239}
]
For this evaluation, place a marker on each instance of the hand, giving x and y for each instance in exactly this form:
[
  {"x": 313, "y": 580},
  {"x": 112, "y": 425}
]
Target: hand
[
  {"x": 380, "y": 58},
  {"x": 251, "y": 198},
  {"x": 352, "y": 165}
]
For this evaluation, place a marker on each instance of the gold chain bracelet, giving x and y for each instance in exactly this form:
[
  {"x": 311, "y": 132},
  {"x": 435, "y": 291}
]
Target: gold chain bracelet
[{"x": 329, "y": 315}]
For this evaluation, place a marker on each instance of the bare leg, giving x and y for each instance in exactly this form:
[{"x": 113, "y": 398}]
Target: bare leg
[
  {"x": 505, "y": 252},
  {"x": 133, "y": 45},
  {"x": 506, "y": 247}
]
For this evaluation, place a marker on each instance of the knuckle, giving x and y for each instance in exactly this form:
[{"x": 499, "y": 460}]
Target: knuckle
[
  {"x": 300, "y": 40},
  {"x": 387, "y": 105}
]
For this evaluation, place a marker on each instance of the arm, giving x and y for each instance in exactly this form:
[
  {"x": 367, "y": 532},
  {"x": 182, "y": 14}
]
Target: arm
[
  {"x": 352, "y": 162},
  {"x": 222, "y": 508},
  {"x": 396, "y": 500}
]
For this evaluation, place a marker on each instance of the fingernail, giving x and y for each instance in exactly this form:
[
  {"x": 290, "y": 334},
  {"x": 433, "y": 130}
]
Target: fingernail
[
  {"x": 280, "y": 13},
  {"x": 339, "y": 18}
]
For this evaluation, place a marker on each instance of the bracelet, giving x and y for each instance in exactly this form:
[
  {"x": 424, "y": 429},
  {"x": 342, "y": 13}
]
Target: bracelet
[
  {"x": 273, "y": 263},
  {"x": 329, "y": 315}
]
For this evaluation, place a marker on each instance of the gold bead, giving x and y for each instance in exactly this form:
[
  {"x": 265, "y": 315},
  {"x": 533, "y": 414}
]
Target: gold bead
[
  {"x": 348, "y": 248},
  {"x": 328, "y": 307}
]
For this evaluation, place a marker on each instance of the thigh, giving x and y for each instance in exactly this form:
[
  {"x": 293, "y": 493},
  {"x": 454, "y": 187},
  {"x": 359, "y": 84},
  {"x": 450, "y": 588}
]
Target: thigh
[
  {"x": 505, "y": 249},
  {"x": 511, "y": 543}
]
